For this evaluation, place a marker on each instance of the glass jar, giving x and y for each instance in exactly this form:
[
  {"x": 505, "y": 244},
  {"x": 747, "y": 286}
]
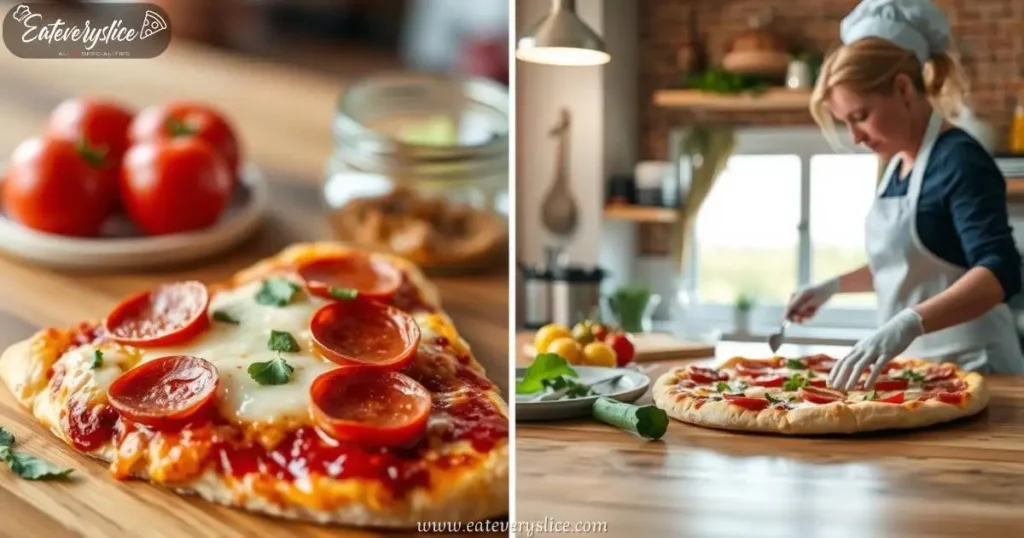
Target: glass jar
[{"x": 420, "y": 170}]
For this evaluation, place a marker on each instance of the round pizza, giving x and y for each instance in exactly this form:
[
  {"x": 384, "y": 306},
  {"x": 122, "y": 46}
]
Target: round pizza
[
  {"x": 791, "y": 396},
  {"x": 322, "y": 384}
]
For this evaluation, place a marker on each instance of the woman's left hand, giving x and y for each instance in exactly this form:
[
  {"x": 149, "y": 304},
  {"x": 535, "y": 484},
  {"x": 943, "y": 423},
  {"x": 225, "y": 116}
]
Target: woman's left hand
[{"x": 876, "y": 350}]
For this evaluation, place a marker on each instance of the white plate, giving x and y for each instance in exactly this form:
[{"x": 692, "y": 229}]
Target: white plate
[
  {"x": 122, "y": 247},
  {"x": 629, "y": 388}
]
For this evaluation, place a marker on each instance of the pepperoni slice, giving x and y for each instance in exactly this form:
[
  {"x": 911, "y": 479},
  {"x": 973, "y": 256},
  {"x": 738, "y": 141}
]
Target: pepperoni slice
[
  {"x": 370, "y": 406},
  {"x": 889, "y": 383},
  {"x": 169, "y": 314},
  {"x": 753, "y": 367},
  {"x": 941, "y": 372},
  {"x": 754, "y": 404},
  {"x": 769, "y": 380},
  {"x": 370, "y": 276},
  {"x": 165, "y": 392},
  {"x": 365, "y": 332},
  {"x": 701, "y": 374},
  {"x": 818, "y": 382},
  {"x": 820, "y": 395}
]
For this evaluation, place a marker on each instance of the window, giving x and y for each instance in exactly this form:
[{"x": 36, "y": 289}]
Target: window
[{"x": 787, "y": 210}]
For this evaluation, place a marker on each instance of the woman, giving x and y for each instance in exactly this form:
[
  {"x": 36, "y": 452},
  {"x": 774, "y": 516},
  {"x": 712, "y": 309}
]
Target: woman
[{"x": 941, "y": 257}]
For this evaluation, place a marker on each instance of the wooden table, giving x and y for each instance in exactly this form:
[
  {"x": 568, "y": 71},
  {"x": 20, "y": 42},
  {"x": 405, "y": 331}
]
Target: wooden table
[
  {"x": 284, "y": 118},
  {"x": 961, "y": 479}
]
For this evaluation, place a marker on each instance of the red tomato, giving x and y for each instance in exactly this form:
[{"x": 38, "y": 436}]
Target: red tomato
[
  {"x": 174, "y": 186},
  {"x": 371, "y": 276},
  {"x": 600, "y": 332},
  {"x": 365, "y": 332},
  {"x": 369, "y": 406},
  {"x": 701, "y": 374},
  {"x": 952, "y": 398},
  {"x": 184, "y": 119},
  {"x": 820, "y": 395},
  {"x": 165, "y": 392},
  {"x": 170, "y": 314},
  {"x": 754, "y": 404},
  {"x": 818, "y": 382},
  {"x": 623, "y": 348},
  {"x": 890, "y": 384},
  {"x": 894, "y": 399},
  {"x": 52, "y": 187},
  {"x": 820, "y": 363},
  {"x": 770, "y": 380},
  {"x": 101, "y": 125}
]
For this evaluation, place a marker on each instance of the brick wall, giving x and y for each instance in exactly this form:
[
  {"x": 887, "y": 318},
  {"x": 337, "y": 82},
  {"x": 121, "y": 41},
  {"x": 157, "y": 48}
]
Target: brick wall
[{"x": 988, "y": 33}]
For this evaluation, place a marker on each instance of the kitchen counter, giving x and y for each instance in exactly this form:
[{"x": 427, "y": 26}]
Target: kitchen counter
[
  {"x": 960, "y": 479},
  {"x": 284, "y": 119}
]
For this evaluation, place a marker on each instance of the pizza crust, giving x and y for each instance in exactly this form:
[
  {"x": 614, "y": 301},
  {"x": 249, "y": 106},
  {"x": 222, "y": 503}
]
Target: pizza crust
[
  {"x": 478, "y": 492},
  {"x": 821, "y": 419}
]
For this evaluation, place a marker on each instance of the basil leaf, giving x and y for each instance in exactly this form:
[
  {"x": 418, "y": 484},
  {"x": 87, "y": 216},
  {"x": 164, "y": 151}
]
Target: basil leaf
[
  {"x": 276, "y": 292},
  {"x": 6, "y": 438},
  {"x": 282, "y": 341},
  {"x": 909, "y": 375},
  {"x": 97, "y": 359},
  {"x": 224, "y": 317},
  {"x": 272, "y": 372},
  {"x": 871, "y": 396},
  {"x": 723, "y": 386},
  {"x": 30, "y": 467},
  {"x": 771, "y": 399},
  {"x": 795, "y": 364},
  {"x": 795, "y": 382},
  {"x": 546, "y": 366},
  {"x": 343, "y": 293}
]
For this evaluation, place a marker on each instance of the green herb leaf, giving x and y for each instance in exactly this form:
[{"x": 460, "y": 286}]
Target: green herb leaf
[
  {"x": 546, "y": 366},
  {"x": 723, "y": 386},
  {"x": 343, "y": 293},
  {"x": 771, "y": 398},
  {"x": 575, "y": 388},
  {"x": 871, "y": 396},
  {"x": 647, "y": 421},
  {"x": 30, "y": 467},
  {"x": 282, "y": 341},
  {"x": 97, "y": 359},
  {"x": 795, "y": 364},
  {"x": 6, "y": 438},
  {"x": 909, "y": 375},
  {"x": 795, "y": 382},
  {"x": 224, "y": 317},
  {"x": 272, "y": 372},
  {"x": 276, "y": 292}
]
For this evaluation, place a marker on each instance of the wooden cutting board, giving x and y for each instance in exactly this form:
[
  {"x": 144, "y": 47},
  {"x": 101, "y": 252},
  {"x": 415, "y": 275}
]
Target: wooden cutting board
[{"x": 654, "y": 346}]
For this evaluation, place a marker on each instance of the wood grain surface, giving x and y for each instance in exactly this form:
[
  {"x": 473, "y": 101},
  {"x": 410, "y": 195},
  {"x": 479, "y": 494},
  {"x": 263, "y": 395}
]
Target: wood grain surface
[
  {"x": 284, "y": 117},
  {"x": 956, "y": 480}
]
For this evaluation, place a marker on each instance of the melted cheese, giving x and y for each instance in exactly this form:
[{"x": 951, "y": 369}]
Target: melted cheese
[{"x": 232, "y": 348}]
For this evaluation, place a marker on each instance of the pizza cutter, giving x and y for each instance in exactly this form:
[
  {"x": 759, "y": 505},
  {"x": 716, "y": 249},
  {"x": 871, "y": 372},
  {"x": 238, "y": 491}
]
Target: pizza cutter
[{"x": 775, "y": 340}]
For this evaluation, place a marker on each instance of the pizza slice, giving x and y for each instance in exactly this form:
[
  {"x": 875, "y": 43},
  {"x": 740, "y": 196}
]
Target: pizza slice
[
  {"x": 152, "y": 23},
  {"x": 322, "y": 384},
  {"x": 791, "y": 396}
]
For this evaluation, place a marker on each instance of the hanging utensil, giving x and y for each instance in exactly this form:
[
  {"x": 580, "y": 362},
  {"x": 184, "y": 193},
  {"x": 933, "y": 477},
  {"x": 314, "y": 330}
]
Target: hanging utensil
[{"x": 558, "y": 211}]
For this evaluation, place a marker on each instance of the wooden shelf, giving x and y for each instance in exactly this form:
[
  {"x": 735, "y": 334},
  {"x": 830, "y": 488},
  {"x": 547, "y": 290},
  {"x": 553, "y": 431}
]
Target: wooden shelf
[
  {"x": 1015, "y": 189},
  {"x": 775, "y": 99},
  {"x": 639, "y": 213}
]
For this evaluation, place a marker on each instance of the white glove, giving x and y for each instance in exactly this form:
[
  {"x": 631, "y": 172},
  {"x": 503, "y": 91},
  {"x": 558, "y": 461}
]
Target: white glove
[
  {"x": 876, "y": 350},
  {"x": 806, "y": 301}
]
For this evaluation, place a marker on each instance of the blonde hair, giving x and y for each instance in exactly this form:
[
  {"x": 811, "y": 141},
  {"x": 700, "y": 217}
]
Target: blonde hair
[{"x": 870, "y": 65}]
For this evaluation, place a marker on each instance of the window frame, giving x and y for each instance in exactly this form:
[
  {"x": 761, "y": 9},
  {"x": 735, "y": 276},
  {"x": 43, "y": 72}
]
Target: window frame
[{"x": 804, "y": 143}]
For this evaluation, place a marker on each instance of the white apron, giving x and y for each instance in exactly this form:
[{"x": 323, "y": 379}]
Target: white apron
[{"x": 906, "y": 274}]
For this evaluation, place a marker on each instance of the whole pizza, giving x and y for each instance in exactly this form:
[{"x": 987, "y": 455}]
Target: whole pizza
[
  {"x": 322, "y": 384},
  {"x": 791, "y": 396}
]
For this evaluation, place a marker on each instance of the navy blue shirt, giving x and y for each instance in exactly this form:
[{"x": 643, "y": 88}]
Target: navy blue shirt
[{"x": 962, "y": 213}]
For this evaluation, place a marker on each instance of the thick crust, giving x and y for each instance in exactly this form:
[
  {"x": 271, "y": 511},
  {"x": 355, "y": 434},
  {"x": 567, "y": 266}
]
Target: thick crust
[
  {"x": 832, "y": 418},
  {"x": 471, "y": 492}
]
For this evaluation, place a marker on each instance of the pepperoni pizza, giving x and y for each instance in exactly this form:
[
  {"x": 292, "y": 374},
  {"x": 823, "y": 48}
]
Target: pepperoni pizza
[
  {"x": 322, "y": 384},
  {"x": 791, "y": 396}
]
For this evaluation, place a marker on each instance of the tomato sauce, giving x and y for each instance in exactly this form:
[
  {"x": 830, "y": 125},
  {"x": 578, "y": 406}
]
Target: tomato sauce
[
  {"x": 476, "y": 420},
  {"x": 88, "y": 333},
  {"x": 89, "y": 426}
]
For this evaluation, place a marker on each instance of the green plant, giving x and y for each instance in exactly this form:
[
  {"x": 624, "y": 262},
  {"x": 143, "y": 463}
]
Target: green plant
[
  {"x": 721, "y": 81},
  {"x": 744, "y": 302}
]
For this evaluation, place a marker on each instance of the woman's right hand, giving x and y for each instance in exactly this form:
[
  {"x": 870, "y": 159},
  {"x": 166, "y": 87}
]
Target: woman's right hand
[{"x": 805, "y": 302}]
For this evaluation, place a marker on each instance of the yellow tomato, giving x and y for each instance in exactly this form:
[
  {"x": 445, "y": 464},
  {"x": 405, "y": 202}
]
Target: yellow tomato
[
  {"x": 548, "y": 334},
  {"x": 599, "y": 354},
  {"x": 567, "y": 348}
]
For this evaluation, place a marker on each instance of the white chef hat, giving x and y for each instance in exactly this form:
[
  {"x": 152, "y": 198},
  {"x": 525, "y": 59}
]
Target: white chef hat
[{"x": 915, "y": 25}]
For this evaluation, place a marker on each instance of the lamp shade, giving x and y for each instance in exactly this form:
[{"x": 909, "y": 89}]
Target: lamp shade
[{"x": 561, "y": 38}]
